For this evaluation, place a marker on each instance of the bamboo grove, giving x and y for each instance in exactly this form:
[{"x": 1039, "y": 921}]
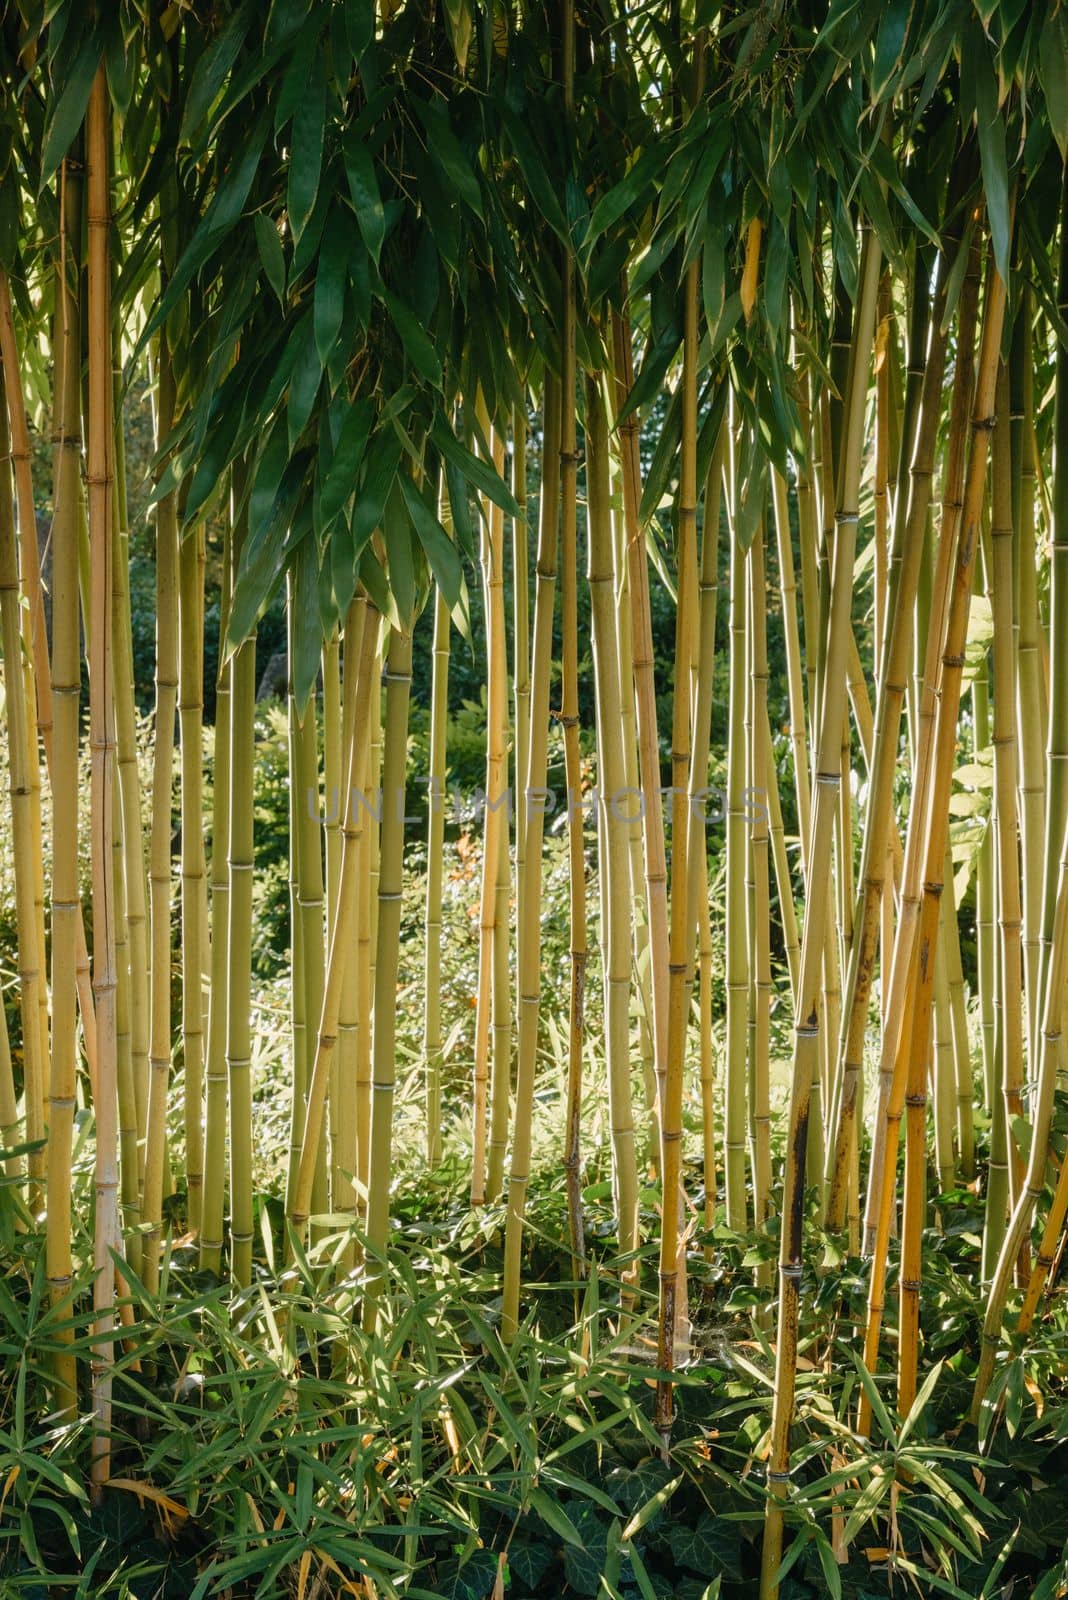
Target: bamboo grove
[{"x": 566, "y": 308}]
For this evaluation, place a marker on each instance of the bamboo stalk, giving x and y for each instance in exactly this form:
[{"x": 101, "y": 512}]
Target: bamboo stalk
[
  {"x": 614, "y": 827},
  {"x": 341, "y": 936},
  {"x": 654, "y": 850},
  {"x": 215, "y": 1077},
  {"x": 495, "y": 827},
  {"x": 398, "y": 678},
  {"x": 102, "y": 744},
  {"x": 806, "y": 1029},
  {"x": 672, "y": 1315},
  {"x": 194, "y": 867},
  {"x": 241, "y": 858},
  {"x": 30, "y": 966},
  {"x": 944, "y": 748},
  {"x": 910, "y": 526},
  {"x": 66, "y": 693},
  {"x": 529, "y": 909},
  {"x": 1009, "y": 1055},
  {"x": 435, "y": 849},
  {"x": 160, "y": 839}
]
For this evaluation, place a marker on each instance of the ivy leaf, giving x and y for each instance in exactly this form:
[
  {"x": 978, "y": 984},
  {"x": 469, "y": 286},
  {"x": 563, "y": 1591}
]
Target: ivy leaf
[
  {"x": 584, "y": 1563},
  {"x": 529, "y": 1560},
  {"x": 468, "y": 1580},
  {"x": 710, "y": 1546}
]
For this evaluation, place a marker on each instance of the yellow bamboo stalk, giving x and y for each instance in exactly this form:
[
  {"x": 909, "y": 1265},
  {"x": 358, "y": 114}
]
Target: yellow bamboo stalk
[
  {"x": 160, "y": 840},
  {"x": 494, "y": 833},
  {"x": 614, "y": 825},
  {"x": 435, "y": 852},
  {"x": 239, "y": 933},
  {"x": 944, "y": 749},
  {"x": 672, "y": 1304},
  {"x": 102, "y": 743},
  {"x": 66, "y": 691},
  {"x": 398, "y": 678},
  {"x": 806, "y": 1028},
  {"x": 341, "y": 936},
  {"x": 529, "y": 909},
  {"x": 215, "y": 1077},
  {"x": 654, "y": 849},
  {"x": 194, "y": 867},
  {"x": 30, "y": 964}
]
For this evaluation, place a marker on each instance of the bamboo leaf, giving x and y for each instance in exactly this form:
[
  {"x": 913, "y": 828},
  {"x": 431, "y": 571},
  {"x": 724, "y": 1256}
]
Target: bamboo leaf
[
  {"x": 306, "y": 154},
  {"x": 439, "y": 549},
  {"x": 330, "y": 282},
  {"x": 481, "y": 474},
  {"x": 210, "y": 72},
  {"x": 272, "y": 255},
  {"x": 1053, "y": 73},
  {"x": 366, "y": 197},
  {"x": 68, "y": 112},
  {"x": 417, "y": 345},
  {"x": 976, "y": 64}
]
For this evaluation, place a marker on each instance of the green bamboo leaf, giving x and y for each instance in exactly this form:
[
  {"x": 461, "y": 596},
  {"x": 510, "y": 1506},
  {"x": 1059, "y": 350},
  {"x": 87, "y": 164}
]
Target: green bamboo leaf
[
  {"x": 1053, "y": 74},
  {"x": 537, "y": 180},
  {"x": 210, "y": 72},
  {"x": 439, "y": 550},
  {"x": 383, "y": 459},
  {"x": 304, "y": 383},
  {"x": 552, "y": 1512},
  {"x": 445, "y": 149},
  {"x": 976, "y": 64},
  {"x": 366, "y": 197},
  {"x": 346, "y": 463},
  {"x": 482, "y": 475},
  {"x": 68, "y": 112},
  {"x": 306, "y": 152},
  {"x": 417, "y": 346},
  {"x": 307, "y": 645},
  {"x": 889, "y": 42},
  {"x": 637, "y": 184},
  {"x": 330, "y": 281},
  {"x": 272, "y": 256}
]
